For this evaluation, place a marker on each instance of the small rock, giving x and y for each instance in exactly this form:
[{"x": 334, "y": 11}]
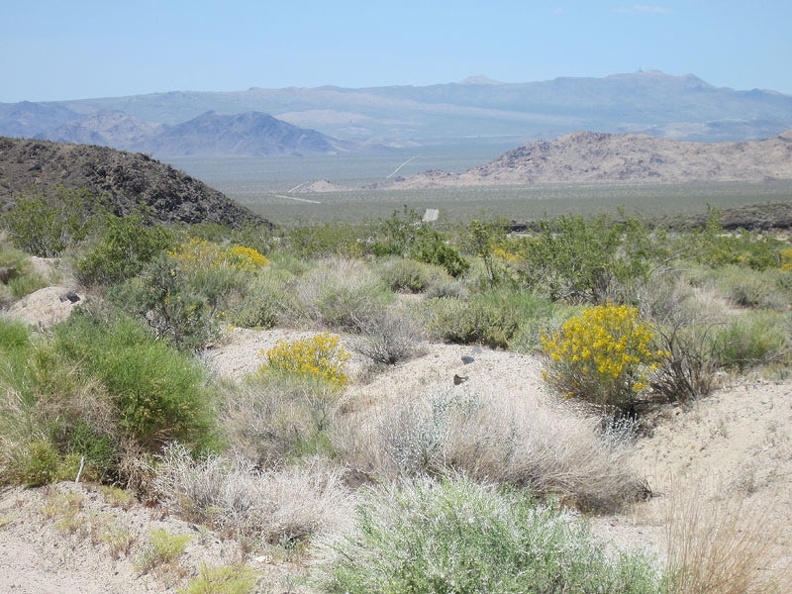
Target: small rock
[
  {"x": 460, "y": 379},
  {"x": 70, "y": 296},
  {"x": 467, "y": 359}
]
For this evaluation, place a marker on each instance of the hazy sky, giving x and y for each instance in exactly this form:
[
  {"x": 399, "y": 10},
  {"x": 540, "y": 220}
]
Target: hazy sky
[{"x": 61, "y": 49}]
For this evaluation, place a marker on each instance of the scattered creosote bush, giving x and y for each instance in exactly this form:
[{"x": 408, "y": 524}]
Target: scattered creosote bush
[{"x": 604, "y": 356}]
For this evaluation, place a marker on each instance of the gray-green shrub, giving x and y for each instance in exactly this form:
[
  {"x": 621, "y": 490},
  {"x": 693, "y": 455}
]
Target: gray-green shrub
[{"x": 462, "y": 537}]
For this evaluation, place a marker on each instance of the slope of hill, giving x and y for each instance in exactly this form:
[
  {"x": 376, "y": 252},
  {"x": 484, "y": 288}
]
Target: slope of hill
[
  {"x": 33, "y": 166},
  {"x": 250, "y": 133},
  {"x": 601, "y": 157}
]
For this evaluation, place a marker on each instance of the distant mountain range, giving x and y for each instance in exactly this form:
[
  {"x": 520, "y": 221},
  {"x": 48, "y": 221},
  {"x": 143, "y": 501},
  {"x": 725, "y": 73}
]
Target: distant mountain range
[{"x": 329, "y": 120}]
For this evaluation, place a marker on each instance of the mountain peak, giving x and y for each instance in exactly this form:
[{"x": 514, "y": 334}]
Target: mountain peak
[{"x": 479, "y": 79}]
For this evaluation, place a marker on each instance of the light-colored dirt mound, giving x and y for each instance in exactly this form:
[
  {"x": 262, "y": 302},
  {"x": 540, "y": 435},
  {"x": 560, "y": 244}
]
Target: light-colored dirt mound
[{"x": 46, "y": 307}]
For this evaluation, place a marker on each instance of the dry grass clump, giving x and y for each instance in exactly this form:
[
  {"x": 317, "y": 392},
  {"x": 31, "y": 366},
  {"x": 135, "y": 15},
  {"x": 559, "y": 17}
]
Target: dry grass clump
[
  {"x": 274, "y": 418},
  {"x": 489, "y": 438},
  {"x": 723, "y": 546},
  {"x": 275, "y": 507},
  {"x": 342, "y": 294},
  {"x": 392, "y": 338}
]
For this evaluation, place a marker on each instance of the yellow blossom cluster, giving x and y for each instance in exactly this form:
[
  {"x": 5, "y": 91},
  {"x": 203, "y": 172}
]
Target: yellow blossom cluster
[
  {"x": 319, "y": 357},
  {"x": 786, "y": 259},
  {"x": 605, "y": 355},
  {"x": 201, "y": 255}
]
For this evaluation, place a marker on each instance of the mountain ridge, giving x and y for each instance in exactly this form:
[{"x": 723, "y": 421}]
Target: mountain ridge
[{"x": 655, "y": 103}]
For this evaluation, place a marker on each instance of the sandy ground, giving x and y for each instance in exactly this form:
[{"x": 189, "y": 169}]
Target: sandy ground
[{"x": 732, "y": 447}]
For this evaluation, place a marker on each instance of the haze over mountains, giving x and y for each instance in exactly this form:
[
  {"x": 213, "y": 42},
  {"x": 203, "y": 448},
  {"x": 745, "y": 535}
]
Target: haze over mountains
[{"x": 331, "y": 120}]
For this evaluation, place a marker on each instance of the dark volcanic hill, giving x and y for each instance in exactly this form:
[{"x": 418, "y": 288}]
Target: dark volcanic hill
[
  {"x": 586, "y": 157},
  {"x": 128, "y": 179}
]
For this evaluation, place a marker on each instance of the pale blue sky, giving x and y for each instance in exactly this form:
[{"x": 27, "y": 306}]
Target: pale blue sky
[{"x": 61, "y": 49}]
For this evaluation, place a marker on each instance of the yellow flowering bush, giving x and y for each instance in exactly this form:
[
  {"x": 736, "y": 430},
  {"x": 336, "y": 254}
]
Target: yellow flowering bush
[
  {"x": 604, "y": 355},
  {"x": 202, "y": 255},
  {"x": 320, "y": 357},
  {"x": 786, "y": 259}
]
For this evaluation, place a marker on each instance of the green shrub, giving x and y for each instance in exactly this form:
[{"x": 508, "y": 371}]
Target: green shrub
[
  {"x": 397, "y": 235},
  {"x": 431, "y": 247},
  {"x": 458, "y": 536},
  {"x": 159, "y": 394},
  {"x": 124, "y": 245},
  {"x": 17, "y": 276},
  {"x": 478, "y": 321},
  {"x": 586, "y": 260},
  {"x": 36, "y": 465},
  {"x": 405, "y": 275},
  {"x": 222, "y": 580},
  {"x": 604, "y": 356},
  {"x": 162, "y": 548},
  {"x": 46, "y": 226},
  {"x": 751, "y": 341},
  {"x": 716, "y": 247},
  {"x": 268, "y": 301}
]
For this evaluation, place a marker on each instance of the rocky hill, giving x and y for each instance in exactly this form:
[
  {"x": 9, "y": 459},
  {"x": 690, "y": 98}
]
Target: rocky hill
[
  {"x": 34, "y": 166},
  {"x": 589, "y": 157}
]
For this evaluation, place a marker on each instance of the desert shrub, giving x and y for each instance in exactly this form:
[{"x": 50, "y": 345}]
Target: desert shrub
[
  {"x": 716, "y": 247},
  {"x": 406, "y": 275},
  {"x": 586, "y": 260},
  {"x": 27, "y": 284},
  {"x": 431, "y": 247},
  {"x": 268, "y": 301},
  {"x": 236, "y": 579},
  {"x": 52, "y": 413},
  {"x": 46, "y": 226},
  {"x": 483, "y": 240},
  {"x": 285, "y": 507},
  {"x": 481, "y": 320},
  {"x": 197, "y": 255},
  {"x": 162, "y": 548},
  {"x": 685, "y": 329},
  {"x": 17, "y": 276},
  {"x": 123, "y": 246},
  {"x": 722, "y": 545},
  {"x": 159, "y": 394},
  {"x": 36, "y": 465},
  {"x": 746, "y": 287},
  {"x": 750, "y": 341},
  {"x": 397, "y": 235},
  {"x": 342, "y": 294},
  {"x": 320, "y": 357},
  {"x": 325, "y": 240},
  {"x": 459, "y": 536},
  {"x": 604, "y": 356},
  {"x": 187, "y": 295},
  {"x": 390, "y": 339},
  {"x": 272, "y": 419},
  {"x": 497, "y": 438}
]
